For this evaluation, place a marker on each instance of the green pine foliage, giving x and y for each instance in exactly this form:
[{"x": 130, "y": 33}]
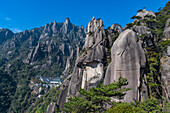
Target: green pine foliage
[
  {"x": 120, "y": 107},
  {"x": 7, "y": 90},
  {"x": 150, "y": 105},
  {"x": 40, "y": 106},
  {"x": 96, "y": 98}
]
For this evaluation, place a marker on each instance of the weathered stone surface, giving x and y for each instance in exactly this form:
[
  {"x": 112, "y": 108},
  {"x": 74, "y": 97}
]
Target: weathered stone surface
[
  {"x": 141, "y": 29},
  {"x": 168, "y": 50},
  {"x": 115, "y": 28},
  {"x": 75, "y": 82},
  {"x": 51, "y": 108},
  {"x": 165, "y": 71},
  {"x": 92, "y": 74},
  {"x": 167, "y": 24},
  {"x": 5, "y": 34},
  {"x": 167, "y": 32},
  {"x": 165, "y": 63},
  {"x": 127, "y": 58},
  {"x": 167, "y": 29},
  {"x": 95, "y": 33},
  {"x": 88, "y": 70},
  {"x": 143, "y": 13},
  {"x": 149, "y": 15},
  {"x": 64, "y": 90}
]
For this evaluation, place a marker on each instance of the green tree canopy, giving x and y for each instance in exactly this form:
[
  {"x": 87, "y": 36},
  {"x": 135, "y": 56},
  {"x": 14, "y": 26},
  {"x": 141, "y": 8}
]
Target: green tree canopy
[{"x": 96, "y": 99}]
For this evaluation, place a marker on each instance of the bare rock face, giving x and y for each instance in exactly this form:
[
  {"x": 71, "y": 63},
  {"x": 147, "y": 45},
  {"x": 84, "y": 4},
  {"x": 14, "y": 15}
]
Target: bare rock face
[
  {"x": 127, "y": 59},
  {"x": 112, "y": 31},
  {"x": 149, "y": 15},
  {"x": 167, "y": 29},
  {"x": 141, "y": 29},
  {"x": 64, "y": 91},
  {"x": 116, "y": 27},
  {"x": 167, "y": 32},
  {"x": 95, "y": 33},
  {"x": 51, "y": 108},
  {"x": 143, "y": 13},
  {"x": 165, "y": 71},
  {"x": 167, "y": 24},
  {"x": 165, "y": 63},
  {"x": 89, "y": 67}
]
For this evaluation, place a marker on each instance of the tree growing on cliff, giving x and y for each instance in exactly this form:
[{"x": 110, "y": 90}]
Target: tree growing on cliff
[{"x": 96, "y": 99}]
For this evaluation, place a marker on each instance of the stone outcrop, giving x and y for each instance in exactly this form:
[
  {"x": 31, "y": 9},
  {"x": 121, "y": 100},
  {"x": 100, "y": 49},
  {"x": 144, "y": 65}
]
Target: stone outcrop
[
  {"x": 89, "y": 66},
  {"x": 127, "y": 60},
  {"x": 165, "y": 71},
  {"x": 5, "y": 34},
  {"x": 141, "y": 30},
  {"x": 51, "y": 108},
  {"x": 112, "y": 31},
  {"x": 52, "y": 45},
  {"x": 95, "y": 33},
  {"x": 165, "y": 63},
  {"x": 167, "y": 29},
  {"x": 144, "y": 13}
]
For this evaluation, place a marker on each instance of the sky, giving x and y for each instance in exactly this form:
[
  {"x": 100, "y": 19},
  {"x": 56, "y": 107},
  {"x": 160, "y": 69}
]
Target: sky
[{"x": 19, "y": 15}]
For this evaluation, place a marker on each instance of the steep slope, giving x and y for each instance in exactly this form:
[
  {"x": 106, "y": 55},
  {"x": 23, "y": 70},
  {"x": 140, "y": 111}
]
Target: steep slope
[
  {"x": 46, "y": 47},
  {"x": 89, "y": 66},
  {"x": 135, "y": 55},
  {"x": 128, "y": 59},
  {"x": 5, "y": 34},
  {"x": 48, "y": 51},
  {"x": 164, "y": 18}
]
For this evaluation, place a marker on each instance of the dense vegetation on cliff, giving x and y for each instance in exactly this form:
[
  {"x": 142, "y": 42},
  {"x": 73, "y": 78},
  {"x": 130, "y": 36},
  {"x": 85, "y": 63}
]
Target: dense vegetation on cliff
[
  {"x": 52, "y": 50},
  {"x": 48, "y": 51}
]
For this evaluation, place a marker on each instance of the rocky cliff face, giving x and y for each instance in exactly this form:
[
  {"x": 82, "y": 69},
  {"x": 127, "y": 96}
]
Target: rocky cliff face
[
  {"x": 145, "y": 13},
  {"x": 127, "y": 60},
  {"x": 165, "y": 63},
  {"x": 5, "y": 34},
  {"x": 52, "y": 45},
  {"x": 89, "y": 67},
  {"x": 49, "y": 51},
  {"x": 167, "y": 29}
]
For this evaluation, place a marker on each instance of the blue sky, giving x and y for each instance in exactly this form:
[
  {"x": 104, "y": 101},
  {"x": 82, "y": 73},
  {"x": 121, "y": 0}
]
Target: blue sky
[{"x": 19, "y": 15}]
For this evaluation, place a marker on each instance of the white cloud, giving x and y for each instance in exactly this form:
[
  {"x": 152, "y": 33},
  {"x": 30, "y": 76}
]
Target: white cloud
[
  {"x": 16, "y": 30},
  {"x": 7, "y": 18}
]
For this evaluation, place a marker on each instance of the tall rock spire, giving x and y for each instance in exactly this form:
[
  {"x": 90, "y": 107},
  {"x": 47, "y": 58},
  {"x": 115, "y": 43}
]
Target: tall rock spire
[{"x": 67, "y": 26}]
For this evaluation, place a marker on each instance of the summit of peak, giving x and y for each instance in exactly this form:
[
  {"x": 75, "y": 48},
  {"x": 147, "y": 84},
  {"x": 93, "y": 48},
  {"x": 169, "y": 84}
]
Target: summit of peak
[
  {"x": 93, "y": 18},
  {"x": 67, "y": 21}
]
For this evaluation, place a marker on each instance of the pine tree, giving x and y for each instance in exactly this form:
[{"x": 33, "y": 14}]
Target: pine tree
[{"x": 97, "y": 98}]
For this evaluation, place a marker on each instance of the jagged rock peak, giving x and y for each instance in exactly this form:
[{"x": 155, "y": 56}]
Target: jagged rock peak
[
  {"x": 5, "y": 34},
  {"x": 67, "y": 26},
  {"x": 82, "y": 27},
  {"x": 67, "y": 21},
  {"x": 94, "y": 24},
  {"x": 95, "y": 32},
  {"x": 55, "y": 22},
  {"x": 116, "y": 27},
  {"x": 5, "y": 30},
  {"x": 93, "y": 18},
  {"x": 144, "y": 12}
]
